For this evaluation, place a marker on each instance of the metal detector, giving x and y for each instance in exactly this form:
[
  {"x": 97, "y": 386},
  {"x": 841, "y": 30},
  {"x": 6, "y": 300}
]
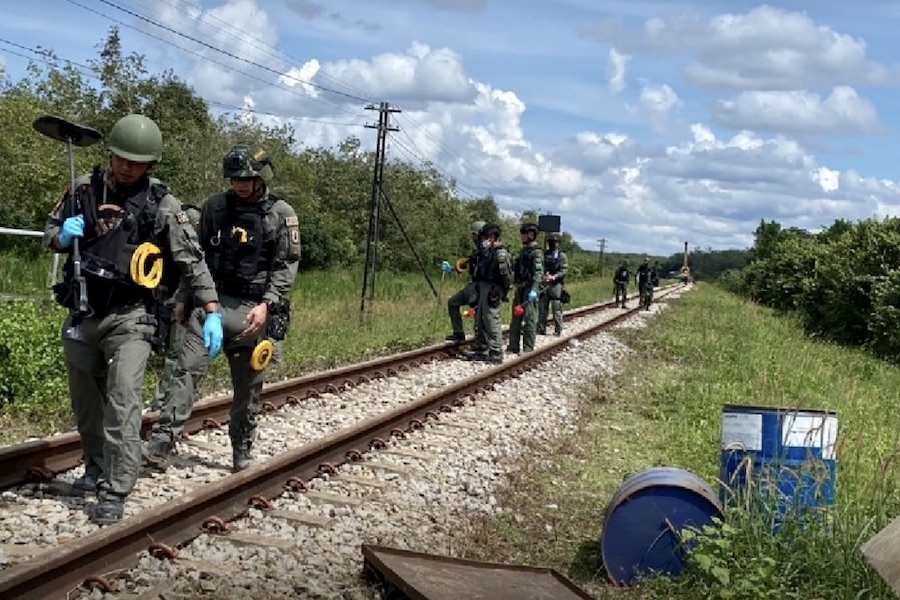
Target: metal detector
[{"x": 73, "y": 135}]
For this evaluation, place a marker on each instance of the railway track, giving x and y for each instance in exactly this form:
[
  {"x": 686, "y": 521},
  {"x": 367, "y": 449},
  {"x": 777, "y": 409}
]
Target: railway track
[
  {"x": 209, "y": 508},
  {"x": 40, "y": 461}
]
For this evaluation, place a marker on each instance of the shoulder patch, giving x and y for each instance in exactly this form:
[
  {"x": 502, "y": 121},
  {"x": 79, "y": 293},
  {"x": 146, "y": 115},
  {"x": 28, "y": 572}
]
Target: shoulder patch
[
  {"x": 181, "y": 217},
  {"x": 292, "y": 221}
]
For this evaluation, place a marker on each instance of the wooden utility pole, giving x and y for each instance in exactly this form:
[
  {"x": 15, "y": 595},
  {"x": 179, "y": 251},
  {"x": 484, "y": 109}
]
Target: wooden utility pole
[{"x": 371, "y": 266}]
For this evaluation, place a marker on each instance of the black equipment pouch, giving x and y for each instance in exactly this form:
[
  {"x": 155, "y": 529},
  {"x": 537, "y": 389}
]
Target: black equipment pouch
[
  {"x": 495, "y": 296},
  {"x": 279, "y": 320},
  {"x": 564, "y": 296},
  {"x": 64, "y": 296},
  {"x": 164, "y": 314}
]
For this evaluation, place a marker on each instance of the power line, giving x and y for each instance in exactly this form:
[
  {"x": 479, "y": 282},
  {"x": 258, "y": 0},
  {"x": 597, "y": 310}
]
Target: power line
[
  {"x": 265, "y": 46},
  {"x": 92, "y": 73},
  {"x": 230, "y": 54},
  {"x": 213, "y": 60},
  {"x": 481, "y": 175}
]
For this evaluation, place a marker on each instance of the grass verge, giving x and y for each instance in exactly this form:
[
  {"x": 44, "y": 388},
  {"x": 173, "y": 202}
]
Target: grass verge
[{"x": 665, "y": 409}]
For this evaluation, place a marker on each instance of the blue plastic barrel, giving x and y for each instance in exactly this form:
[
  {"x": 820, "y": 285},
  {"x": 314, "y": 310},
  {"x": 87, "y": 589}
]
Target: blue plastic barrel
[
  {"x": 784, "y": 458},
  {"x": 645, "y": 517}
]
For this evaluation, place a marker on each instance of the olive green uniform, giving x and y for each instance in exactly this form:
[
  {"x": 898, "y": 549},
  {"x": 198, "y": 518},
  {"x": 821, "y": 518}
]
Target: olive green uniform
[
  {"x": 557, "y": 264},
  {"x": 271, "y": 283},
  {"x": 528, "y": 271},
  {"x": 493, "y": 287},
  {"x": 468, "y": 296},
  {"x": 106, "y": 368},
  {"x": 176, "y": 333}
]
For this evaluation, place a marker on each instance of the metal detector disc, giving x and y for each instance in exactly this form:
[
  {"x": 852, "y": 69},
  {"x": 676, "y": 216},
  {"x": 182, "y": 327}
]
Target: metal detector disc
[{"x": 59, "y": 129}]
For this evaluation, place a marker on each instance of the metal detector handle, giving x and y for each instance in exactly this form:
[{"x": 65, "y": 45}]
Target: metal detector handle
[{"x": 83, "y": 308}]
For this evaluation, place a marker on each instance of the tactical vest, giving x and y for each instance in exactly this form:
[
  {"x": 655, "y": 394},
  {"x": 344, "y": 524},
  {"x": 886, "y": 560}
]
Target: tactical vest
[
  {"x": 622, "y": 275},
  {"x": 552, "y": 264},
  {"x": 106, "y": 255},
  {"x": 643, "y": 274},
  {"x": 473, "y": 263},
  {"x": 239, "y": 250},
  {"x": 493, "y": 273},
  {"x": 524, "y": 269}
]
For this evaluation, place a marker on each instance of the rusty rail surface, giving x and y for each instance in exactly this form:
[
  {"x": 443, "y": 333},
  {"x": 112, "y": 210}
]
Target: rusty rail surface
[
  {"x": 40, "y": 460},
  {"x": 160, "y": 530}
]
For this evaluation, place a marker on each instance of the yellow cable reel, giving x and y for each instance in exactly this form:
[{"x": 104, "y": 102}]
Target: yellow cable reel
[
  {"x": 145, "y": 253},
  {"x": 262, "y": 355},
  {"x": 462, "y": 264}
]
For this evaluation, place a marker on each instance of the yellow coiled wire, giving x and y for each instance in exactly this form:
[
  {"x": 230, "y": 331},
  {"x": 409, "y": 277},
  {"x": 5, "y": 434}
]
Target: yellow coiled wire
[{"x": 139, "y": 272}]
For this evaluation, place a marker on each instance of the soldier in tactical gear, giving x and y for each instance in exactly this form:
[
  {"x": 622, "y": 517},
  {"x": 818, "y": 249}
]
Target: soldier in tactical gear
[
  {"x": 469, "y": 294},
  {"x": 528, "y": 273},
  {"x": 494, "y": 280},
  {"x": 644, "y": 278},
  {"x": 621, "y": 278},
  {"x": 556, "y": 265},
  {"x": 176, "y": 329},
  {"x": 114, "y": 212},
  {"x": 251, "y": 239}
]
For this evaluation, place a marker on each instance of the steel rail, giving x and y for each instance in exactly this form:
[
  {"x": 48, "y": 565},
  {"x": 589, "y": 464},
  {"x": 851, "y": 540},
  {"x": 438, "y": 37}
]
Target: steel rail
[
  {"x": 159, "y": 530},
  {"x": 40, "y": 460}
]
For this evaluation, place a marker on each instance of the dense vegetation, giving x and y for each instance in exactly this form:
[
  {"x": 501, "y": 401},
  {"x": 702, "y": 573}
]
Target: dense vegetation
[{"x": 843, "y": 283}]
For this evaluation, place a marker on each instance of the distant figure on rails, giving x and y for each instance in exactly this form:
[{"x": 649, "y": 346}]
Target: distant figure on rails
[{"x": 621, "y": 278}]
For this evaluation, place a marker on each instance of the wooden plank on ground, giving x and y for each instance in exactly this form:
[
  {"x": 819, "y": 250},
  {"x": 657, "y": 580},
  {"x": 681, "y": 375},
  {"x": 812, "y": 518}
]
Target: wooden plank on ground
[{"x": 882, "y": 552}]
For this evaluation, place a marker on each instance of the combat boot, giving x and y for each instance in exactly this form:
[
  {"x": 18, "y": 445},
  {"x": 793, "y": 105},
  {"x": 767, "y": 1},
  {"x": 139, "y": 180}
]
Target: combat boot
[
  {"x": 156, "y": 453},
  {"x": 241, "y": 459},
  {"x": 86, "y": 484},
  {"x": 109, "y": 510},
  {"x": 456, "y": 337},
  {"x": 475, "y": 355}
]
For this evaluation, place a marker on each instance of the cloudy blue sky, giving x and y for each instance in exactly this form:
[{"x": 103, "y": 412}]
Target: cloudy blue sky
[{"x": 644, "y": 122}]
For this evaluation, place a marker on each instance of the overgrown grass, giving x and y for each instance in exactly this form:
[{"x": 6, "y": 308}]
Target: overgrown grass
[
  {"x": 26, "y": 275},
  {"x": 665, "y": 409},
  {"x": 327, "y": 331}
]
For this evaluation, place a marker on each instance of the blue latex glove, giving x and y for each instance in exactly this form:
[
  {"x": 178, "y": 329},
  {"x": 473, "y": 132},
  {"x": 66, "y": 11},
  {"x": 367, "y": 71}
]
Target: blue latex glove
[
  {"x": 213, "y": 334},
  {"x": 446, "y": 267},
  {"x": 73, "y": 227},
  {"x": 532, "y": 296}
]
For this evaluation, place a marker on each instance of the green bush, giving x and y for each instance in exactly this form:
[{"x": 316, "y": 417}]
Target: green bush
[
  {"x": 31, "y": 363},
  {"x": 844, "y": 282}
]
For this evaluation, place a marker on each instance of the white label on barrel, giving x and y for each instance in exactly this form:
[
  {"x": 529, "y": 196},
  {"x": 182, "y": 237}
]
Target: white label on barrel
[
  {"x": 742, "y": 430},
  {"x": 810, "y": 431},
  {"x": 831, "y": 432}
]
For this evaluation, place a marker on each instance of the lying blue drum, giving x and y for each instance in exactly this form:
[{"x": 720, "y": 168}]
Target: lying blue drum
[
  {"x": 646, "y": 516},
  {"x": 782, "y": 459}
]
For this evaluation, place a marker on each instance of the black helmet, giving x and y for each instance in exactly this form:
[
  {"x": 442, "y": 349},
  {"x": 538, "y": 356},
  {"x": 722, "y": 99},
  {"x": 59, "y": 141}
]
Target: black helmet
[
  {"x": 529, "y": 228},
  {"x": 490, "y": 229},
  {"x": 244, "y": 161},
  {"x": 553, "y": 237}
]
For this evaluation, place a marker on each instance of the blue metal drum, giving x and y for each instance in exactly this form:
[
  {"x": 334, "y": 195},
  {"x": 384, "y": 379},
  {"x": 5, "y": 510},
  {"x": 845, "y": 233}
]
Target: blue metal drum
[
  {"x": 783, "y": 458},
  {"x": 645, "y": 517}
]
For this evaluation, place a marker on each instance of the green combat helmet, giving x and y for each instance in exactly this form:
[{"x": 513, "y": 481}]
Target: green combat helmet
[
  {"x": 244, "y": 161},
  {"x": 193, "y": 214},
  {"x": 553, "y": 237},
  {"x": 136, "y": 138},
  {"x": 476, "y": 227}
]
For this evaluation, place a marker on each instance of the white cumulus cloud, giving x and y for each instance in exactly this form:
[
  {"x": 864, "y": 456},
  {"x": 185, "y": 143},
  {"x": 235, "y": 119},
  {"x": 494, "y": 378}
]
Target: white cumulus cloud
[
  {"x": 799, "y": 112},
  {"x": 766, "y": 48}
]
